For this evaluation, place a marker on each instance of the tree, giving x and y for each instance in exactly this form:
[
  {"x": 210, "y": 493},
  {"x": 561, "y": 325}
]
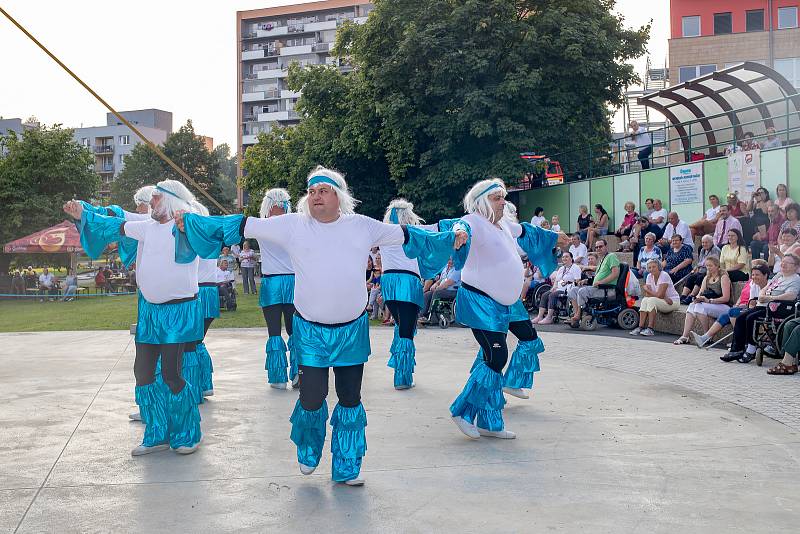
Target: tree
[
  {"x": 41, "y": 170},
  {"x": 144, "y": 167}
]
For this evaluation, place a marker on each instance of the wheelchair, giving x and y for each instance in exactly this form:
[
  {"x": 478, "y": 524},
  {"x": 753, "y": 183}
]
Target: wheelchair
[
  {"x": 534, "y": 295},
  {"x": 229, "y": 303},
  {"x": 768, "y": 332},
  {"x": 614, "y": 309},
  {"x": 444, "y": 310}
]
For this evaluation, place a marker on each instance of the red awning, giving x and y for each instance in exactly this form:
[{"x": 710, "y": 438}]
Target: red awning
[{"x": 62, "y": 237}]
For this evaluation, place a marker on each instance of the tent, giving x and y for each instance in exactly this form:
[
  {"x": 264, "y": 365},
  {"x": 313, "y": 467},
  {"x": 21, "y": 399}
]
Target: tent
[{"x": 61, "y": 238}]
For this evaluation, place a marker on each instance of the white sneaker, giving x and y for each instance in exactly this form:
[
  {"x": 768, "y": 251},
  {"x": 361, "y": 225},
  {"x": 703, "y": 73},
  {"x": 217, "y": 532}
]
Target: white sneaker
[
  {"x": 307, "y": 469},
  {"x": 516, "y": 392},
  {"x": 141, "y": 450},
  {"x": 208, "y": 393},
  {"x": 404, "y": 387},
  {"x": 647, "y": 332},
  {"x": 501, "y": 434},
  {"x": 281, "y": 385},
  {"x": 466, "y": 427},
  {"x": 135, "y": 416},
  {"x": 635, "y": 332},
  {"x": 698, "y": 339},
  {"x": 355, "y": 482},
  {"x": 187, "y": 450},
  {"x": 296, "y": 382}
]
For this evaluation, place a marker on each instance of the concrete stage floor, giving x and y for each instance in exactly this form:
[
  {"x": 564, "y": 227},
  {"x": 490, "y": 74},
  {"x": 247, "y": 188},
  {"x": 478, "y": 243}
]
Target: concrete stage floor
[{"x": 611, "y": 441}]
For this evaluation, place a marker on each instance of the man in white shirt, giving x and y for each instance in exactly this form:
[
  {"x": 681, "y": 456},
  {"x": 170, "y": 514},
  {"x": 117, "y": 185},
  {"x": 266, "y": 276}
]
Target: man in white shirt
[
  {"x": 445, "y": 287},
  {"x": 644, "y": 143},
  {"x": 708, "y": 222},
  {"x": 578, "y": 250},
  {"x": 659, "y": 215},
  {"x": 675, "y": 226},
  {"x": 47, "y": 284},
  {"x": 225, "y": 279}
]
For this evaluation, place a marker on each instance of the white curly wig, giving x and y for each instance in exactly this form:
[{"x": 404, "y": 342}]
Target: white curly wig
[
  {"x": 404, "y": 211},
  {"x": 174, "y": 197},
  {"x": 275, "y": 197},
  {"x": 347, "y": 203},
  {"x": 477, "y": 199}
]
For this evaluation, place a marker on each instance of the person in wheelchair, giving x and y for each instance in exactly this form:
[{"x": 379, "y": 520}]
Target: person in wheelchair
[
  {"x": 225, "y": 279},
  {"x": 561, "y": 280},
  {"x": 789, "y": 343},
  {"x": 606, "y": 274},
  {"x": 779, "y": 295},
  {"x": 445, "y": 288}
]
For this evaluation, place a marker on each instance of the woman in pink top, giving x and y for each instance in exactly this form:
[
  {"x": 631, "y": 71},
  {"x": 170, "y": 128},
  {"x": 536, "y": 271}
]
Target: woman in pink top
[{"x": 782, "y": 194}]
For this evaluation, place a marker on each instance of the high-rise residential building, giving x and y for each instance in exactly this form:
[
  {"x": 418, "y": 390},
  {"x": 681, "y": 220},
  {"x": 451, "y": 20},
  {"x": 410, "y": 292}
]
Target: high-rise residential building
[
  {"x": 709, "y": 35},
  {"x": 16, "y": 126},
  {"x": 112, "y": 143},
  {"x": 271, "y": 39}
]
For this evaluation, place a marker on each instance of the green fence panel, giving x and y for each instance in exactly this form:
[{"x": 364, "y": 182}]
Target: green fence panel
[
  {"x": 626, "y": 188},
  {"x": 654, "y": 183},
  {"x": 715, "y": 179},
  {"x": 793, "y": 156},
  {"x": 579, "y": 195},
  {"x": 602, "y": 192},
  {"x": 554, "y": 200},
  {"x": 773, "y": 170}
]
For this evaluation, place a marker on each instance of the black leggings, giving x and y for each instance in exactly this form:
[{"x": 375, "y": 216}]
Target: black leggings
[
  {"x": 314, "y": 385},
  {"x": 272, "y": 315},
  {"x": 405, "y": 315},
  {"x": 495, "y": 348},
  {"x": 144, "y": 367}
]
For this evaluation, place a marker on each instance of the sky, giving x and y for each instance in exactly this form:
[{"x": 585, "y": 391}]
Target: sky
[{"x": 175, "y": 55}]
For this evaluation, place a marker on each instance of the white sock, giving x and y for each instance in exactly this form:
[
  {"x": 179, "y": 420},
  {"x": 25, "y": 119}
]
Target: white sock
[{"x": 751, "y": 349}]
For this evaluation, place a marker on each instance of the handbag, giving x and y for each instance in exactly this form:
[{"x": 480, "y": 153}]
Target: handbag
[{"x": 711, "y": 294}]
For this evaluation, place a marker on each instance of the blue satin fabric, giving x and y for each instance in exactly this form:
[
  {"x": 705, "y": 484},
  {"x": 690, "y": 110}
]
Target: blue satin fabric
[
  {"x": 190, "y": 371},
  {"x": 97, "y": 232},
  {"x": 184, "y": 417},
  {"x": 209, "y": 301},
  {"x": 276, "y": 289},
  {"x": 481, "y": 401},
  {"x": 206, "y": 368},
  {"x": 524, "y": 362},
  {"x": 207, "y": 235},
  {"x": 293, "y": 365},
  {"x": 484, "y": 313},
  {"x": 276, "y": 364},
  {"x": 308, "y": 433},
  {"x": 169, "y": 323},
  {"x": 540, "y": 246},
  {"x": 152, "y": 401},
  {"x": 402, "y": 360},
  {"x": 460, "y": 255},
  {"x": 433, "y": 249},
  {"x": 348, "y": 441},
  {"x": 320, "y": 345},
  {"x": 402, "y": 287}
]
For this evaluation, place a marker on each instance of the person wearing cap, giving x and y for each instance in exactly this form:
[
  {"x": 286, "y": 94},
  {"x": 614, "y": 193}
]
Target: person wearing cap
[
  {"x": 276, "y": 296},
  {"x": 328, "y": 245},
  {"x": 170, "y": 317}
]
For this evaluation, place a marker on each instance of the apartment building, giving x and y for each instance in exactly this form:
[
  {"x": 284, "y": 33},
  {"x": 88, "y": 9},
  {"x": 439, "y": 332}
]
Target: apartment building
[
  {"x": 112, "y": 143},
  {"x": 709, "y": 35}
]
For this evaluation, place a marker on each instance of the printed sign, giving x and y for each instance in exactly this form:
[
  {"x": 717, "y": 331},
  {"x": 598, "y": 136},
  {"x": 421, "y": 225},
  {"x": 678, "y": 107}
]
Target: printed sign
[
  {"x": 686, "y": 184},
  {"x": 744, "y": 173}
]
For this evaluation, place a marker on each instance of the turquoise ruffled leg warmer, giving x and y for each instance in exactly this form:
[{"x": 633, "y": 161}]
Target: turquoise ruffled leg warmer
[
  {"x": 276, "y": 360},
  {"x": 292, "y": 358},
  {"x": 206, "y": 368},
  {"x": 152, "y": 401},
  {"x": 190, "y": 371},
  {"x": 184, "y": 417},
  {"x": 308, "y": 433},
  {"x": 144, "y": 414},
  {"x": 478, "y": 359},
  {"x": 348, "y": 441},
  {"x": 402, "y": 360},
  {"x": 524, "y": 362},
  {"x": 481, "y": 399}
]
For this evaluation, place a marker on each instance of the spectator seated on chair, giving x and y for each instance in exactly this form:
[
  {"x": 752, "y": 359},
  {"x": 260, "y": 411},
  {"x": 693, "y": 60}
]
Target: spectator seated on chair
[
  {"x": 637, "y": 238},
  {"x": 660, "y": 296},
  {"x": 225, "y": 279},
  {"x": 598, "y": 227},
  {"x": 677, "y": 262},
  {"x": 708, "y": 222},
  {"x": 748, "y": 298},
  {"x": 780, "y": 293},
  {"x": 788, "y": 245},
  {"x": 445, "y": 288},
  {"x": 628, "y": 222},
  {"x": 606, "y": 274},
  {"x": 735, "y": 258},
  {"x": 561, "y": 280},
  {"x": 691, "y": 287},
  {"x": 47, "y": 285},
  {"x": 725, "y": 224},
  {"x": 584, "y": 220},
  {"x": 767, "y": 233},
  {"x": 578, "y": 250},
  {"x": 712, "y": 301},
  {"x": 675, "y": 226},
  {"x": 70, "y": 286},
  {"x": 782, "y": 198},
  {"x": 649, "y": 252},
  {"x": 18, "y": 283}
]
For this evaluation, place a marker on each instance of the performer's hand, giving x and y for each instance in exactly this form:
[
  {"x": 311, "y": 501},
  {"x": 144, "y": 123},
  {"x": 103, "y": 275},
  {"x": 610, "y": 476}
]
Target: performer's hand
[
  {"x": 73, "y": 208},
  {"x": 461, "y": 239},
  {"x": 179, "y": 220},
  {"x": 563, "y": 240}
]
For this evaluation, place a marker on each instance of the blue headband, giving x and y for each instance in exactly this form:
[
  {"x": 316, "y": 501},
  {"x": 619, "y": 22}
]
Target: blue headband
[
  {"x": 286, "y": 206},
  {"x": 314, "y": 180},
  {"x": 393, "y": 216},
  {"x": 493, "y": 186},
  {"x": 168, "y": 192}
]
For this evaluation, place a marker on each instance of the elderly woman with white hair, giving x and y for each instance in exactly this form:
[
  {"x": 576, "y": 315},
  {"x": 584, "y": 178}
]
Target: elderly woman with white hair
[
  {"x": 660, "y": 296},
  {"x": 170, "y": 315},
  {"x": 328, "y": 245},
  {"x": 276, "y": 296},
  {"x": 488, "y": 303}
]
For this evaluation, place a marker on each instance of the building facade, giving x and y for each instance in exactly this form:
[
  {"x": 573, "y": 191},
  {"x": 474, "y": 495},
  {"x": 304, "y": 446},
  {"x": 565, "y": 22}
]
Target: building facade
[
  {"x": 709, "y": 35},
  {"x": 268, "y": 42},
  {"x": 112, "y": 143}
]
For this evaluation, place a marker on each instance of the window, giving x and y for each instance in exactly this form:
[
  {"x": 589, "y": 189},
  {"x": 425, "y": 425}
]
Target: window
[
  {"x": 787, "y": 17},
  {"x": 694, "y": 71},
  {"x": 85, "y": 141},
  {"x": 122, "y": 159},
  {"x": 789, "y": 68},
  {"x": 723, "y": 23},
  {"x": 754, "y": 20},
  {"x": 691, "y": 26},
  {"x": 124, "y": 139}
]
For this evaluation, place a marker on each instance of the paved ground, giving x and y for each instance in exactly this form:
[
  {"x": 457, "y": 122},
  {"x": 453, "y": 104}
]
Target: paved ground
[{"x": 621, "y": 435}]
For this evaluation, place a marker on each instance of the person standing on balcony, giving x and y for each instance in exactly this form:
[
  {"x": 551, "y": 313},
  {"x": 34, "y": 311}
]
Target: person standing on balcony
[{"x": 644, "y": 142}]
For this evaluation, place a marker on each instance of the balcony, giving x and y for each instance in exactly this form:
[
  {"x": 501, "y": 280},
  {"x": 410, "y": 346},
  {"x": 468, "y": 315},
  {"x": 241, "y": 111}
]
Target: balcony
[
  {"x": 272, "y": 73},
  {"x": 285, "y": 93},
  {"x": 297, "y": 50},
  {"x": 254, "y": 96},
  {"x": 273, "y": 116},
  {"x": 296, "y": 28},
  {"x": 321, "y": 47},
  {"x": 258, "y": 53},
  {"x": 321, "y": 26},
  {"x": 248, "y": 118},
  {"x": 249, "y": 139},
  {"x": 250, "y": 76},
  {"x": 104, "y": 149},
  {"x": 104, "y": 168}
]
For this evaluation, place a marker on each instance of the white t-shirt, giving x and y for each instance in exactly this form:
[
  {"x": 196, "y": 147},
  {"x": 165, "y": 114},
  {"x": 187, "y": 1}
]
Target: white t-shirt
[
  {"x": 328, "y": 259},
  {"x": 682, "y": 230},
  {"x": 663, "y": 278},
  {"x": 711, "y": 213},
  {"x": 131, "y": 216},
  {"x": 555, "y": 228},
  {"x": 566, "y": 275},
  {"x": 394, "y": 258},
  {"x": 207, "y": 271},
  {"x": 642, "y": 137},
  {"x": 223, "y": 275},
  {"x": 493, "y": 264},
  {"x": 660, "y": 213},
  {"x": 537, "y": 220},
  {"x": 580, "y": 254},
  {"x": 159, "y": 277},
  {"x": 46, "y": 280}
]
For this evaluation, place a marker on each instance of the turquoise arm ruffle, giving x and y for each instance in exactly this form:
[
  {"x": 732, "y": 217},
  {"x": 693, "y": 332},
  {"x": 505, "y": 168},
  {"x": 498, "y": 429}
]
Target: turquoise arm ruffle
[
  {"x": 126, "y": 248},
  {"x": 432, "y": 250},
  {"x": 101, "y": 210},
  {"x": 460, "y": 255},
  {"x": 206, "y": 236},
  {"x": 540, "y": 246},
  {"x": 98, "y": 231},
  {"x": 184, "y": 253}
]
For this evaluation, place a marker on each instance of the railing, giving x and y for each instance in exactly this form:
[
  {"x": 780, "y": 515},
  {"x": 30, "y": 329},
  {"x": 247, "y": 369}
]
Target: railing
[
  {"x": 105, "y": 167},
  {"x": 621, "y": 155},
  {"x": 105, "y": 149},
  {"x": 321, "y": 47},
  {"x": 250, "y": 76}
]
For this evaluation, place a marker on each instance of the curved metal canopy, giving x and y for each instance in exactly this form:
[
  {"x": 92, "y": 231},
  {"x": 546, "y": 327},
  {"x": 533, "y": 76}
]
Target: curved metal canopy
[{"x": 721, "y": 106}]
